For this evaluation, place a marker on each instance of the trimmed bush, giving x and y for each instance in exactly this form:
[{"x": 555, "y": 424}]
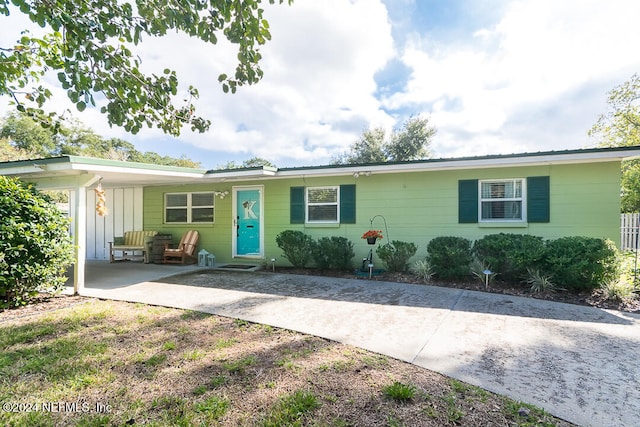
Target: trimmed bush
[
  {"x": 582, "y": 263},
  {"x": 450, "y": 257},
  {"x": 333, "y": 253},
  {"x": 396, "y": 254},
  {"x": 510, "y": 255},
  {"x": 35, "y": 246},
  {"x": 296, "y": 247}
]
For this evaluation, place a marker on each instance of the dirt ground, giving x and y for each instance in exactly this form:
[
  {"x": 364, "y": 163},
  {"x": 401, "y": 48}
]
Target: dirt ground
[{"x": 172, "y": 367}]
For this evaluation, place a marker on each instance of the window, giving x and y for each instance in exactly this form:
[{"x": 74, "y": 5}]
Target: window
[
  {"x": 504, "y": 200},
  {"x": 501, "y": 200},
  {"x": 322, "y": 204},
  {"x": 189, "y": 208}
]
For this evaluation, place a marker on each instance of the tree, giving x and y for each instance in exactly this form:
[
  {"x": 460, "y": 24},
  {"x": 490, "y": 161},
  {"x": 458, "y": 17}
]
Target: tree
[
  {"x": 88, "y": 45},
  {"x": 250, "y": 163},
  {"x": 619, "y": 127},
  {"x": 10, "y": 153},
  {"x": 24, "y": 139},
  {"x": 35, "y": 246},
  {"x": 411, "y": 142},
  {"x": 26, "y": 135}
]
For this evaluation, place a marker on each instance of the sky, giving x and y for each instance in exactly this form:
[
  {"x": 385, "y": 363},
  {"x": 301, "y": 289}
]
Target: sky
[{"x": 493, "y": 76}]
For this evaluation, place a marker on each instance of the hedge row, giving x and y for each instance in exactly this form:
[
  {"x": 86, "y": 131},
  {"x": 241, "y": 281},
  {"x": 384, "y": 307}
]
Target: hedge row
[{"x": 575, "y": 262}]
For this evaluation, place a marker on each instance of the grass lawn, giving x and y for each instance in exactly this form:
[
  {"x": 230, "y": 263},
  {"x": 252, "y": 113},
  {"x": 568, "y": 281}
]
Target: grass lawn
[{"x": 104, "y": 363}]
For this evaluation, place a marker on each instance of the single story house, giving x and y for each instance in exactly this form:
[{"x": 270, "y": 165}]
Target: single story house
[{"x": 239, "y": 212}]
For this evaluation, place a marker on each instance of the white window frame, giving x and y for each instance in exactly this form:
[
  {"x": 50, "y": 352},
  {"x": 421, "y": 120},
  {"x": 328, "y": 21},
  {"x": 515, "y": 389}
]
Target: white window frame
[
  {"x": 307, "y": 204},
  {"x": 189, "y": 207},
  {"x": 522, "y": 199}
]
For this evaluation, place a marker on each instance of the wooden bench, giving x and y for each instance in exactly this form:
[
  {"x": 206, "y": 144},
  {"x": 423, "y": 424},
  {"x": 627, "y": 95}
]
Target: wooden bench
[{"x": 132, "y": 242}]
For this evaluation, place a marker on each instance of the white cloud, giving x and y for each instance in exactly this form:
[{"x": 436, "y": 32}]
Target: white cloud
[
  {"x": 318, "y": 89},
  {"x": 533, "y": 76},
  {"x": 317, "y": 94},
  {"x": 538, "y": 53}
]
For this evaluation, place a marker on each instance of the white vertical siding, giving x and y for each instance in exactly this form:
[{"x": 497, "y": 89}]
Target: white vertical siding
[{"x": 125, "y": 214}]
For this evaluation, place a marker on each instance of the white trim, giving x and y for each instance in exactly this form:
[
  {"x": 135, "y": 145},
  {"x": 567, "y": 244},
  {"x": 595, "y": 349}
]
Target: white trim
[
  {"x": 308, "y": 204},
  {"x": 522, "y": 199},
  {"x": 189, "y": 207}
]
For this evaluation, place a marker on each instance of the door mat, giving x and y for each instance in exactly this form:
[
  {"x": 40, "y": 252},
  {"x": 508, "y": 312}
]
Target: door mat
[{"x": 239, "y": 266}]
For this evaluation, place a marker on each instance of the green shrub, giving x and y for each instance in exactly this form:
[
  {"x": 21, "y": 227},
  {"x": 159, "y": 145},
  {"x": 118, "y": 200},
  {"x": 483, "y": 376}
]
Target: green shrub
[
  {"x": 538, "y": 282},
  {"x": 450, "y": 256},
  {"x": 35, "y": 246},
  {"x": 396, "y": 254},
  {"x": 619, "y": 290},
  {"x": 333, "y": 253},
  {"x": 479, "y": 269},
  {"x": 422, "y": 269},
  {"x": 582, "y": 263},
  {"x": 509, "y": 255},
  {"x": 296, "y": 247}
]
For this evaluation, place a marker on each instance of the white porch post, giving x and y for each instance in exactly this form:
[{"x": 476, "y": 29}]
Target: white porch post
[
  {"x": 80, "y": 234},
  {"x": 80, "y": 229}
]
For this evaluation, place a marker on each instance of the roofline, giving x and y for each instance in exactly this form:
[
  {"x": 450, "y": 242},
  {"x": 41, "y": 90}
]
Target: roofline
[
  {"x": 95, "y": 165},
  {"x": 585, "y": 155},
  {"x": 575, "y": 156}
]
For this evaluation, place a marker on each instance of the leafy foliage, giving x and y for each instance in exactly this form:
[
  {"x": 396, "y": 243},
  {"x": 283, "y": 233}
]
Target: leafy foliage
[
  {"x": 510, "y": 254},
  {"x": 88, "y": 46},
  {"x": 409, "y": 143},
  {"x": 582, "y": 263},
  {"x": 333, "y": 253},
  {"x": 538, "y": 282},
  {"x": 450, "y": 256},
  {"x": 249, "y": 163},
  {"x": 423, "y": 269},
  {"x": 396, "y": 254},
  {"x": 620, "y": 127},
  {"x": 27, "y": 139},
  {"x": 35, "y": 246},
  {"x": 296, "y": 246}
]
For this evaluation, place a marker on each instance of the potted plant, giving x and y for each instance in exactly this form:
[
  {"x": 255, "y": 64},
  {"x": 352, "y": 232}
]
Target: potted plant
[{"x": 372, "y": 236}]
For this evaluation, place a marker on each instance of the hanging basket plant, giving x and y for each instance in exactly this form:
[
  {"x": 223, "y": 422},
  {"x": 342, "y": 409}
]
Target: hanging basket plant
[{"x": 372, "y": 236}]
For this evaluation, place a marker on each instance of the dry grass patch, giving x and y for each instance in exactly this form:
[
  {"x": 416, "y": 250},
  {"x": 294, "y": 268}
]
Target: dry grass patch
[{"x": 115, "y": 363}]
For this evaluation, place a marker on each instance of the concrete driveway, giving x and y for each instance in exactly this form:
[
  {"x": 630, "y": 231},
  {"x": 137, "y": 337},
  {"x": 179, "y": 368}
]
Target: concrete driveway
[{"x": 579, "y": 363}]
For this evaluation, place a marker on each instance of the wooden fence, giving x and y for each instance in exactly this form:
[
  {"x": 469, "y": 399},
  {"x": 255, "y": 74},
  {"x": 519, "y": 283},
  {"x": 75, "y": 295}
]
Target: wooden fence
[{"x": 629, "y": 231}]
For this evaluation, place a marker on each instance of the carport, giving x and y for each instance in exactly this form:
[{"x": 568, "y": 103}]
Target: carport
[{"x": 79, "y": 176}]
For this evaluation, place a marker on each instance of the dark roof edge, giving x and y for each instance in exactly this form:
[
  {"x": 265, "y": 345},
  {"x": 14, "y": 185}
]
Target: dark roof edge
[{"x": 468, "y": 158}]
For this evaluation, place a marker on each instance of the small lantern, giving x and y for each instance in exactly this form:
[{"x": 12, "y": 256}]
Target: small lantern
[
  {"x": 487, "y": 273},
  {"x": 202, "y": 258},
  {"x": 211, "y": 260}
]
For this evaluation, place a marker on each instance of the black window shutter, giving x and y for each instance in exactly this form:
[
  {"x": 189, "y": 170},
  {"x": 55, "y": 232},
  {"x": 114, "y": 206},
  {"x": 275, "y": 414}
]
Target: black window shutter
[
  {"x": 348, "y": 204},
  {"x": 297, "y": 205},
  {"x": 538, "y": 199},
  {"x": 468, "y": 201}
]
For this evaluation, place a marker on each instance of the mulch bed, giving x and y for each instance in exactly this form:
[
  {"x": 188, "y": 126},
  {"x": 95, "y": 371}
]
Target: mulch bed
[{"x": 591, "y": 299}]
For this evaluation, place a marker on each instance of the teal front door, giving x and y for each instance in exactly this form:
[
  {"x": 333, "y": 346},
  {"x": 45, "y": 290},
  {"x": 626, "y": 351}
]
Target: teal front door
[{"x": 248, "y": 222}]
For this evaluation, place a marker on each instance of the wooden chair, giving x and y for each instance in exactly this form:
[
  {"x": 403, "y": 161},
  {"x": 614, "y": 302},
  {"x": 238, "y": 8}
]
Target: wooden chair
[{"x": 185, "y": 253}]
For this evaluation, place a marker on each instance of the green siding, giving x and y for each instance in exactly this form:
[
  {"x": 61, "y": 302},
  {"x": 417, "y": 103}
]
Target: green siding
[{"x": 584, "y": 199}]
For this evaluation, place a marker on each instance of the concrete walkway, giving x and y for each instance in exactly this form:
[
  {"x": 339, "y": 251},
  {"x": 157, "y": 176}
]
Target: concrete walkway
[{"x": 579, "y": 363}]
